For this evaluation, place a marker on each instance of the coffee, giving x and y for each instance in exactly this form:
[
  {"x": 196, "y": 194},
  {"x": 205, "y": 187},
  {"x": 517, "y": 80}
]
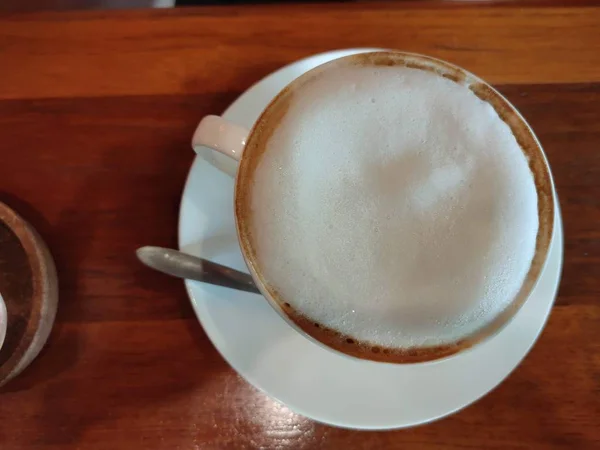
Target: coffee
[{"x": 391, "y": 210}]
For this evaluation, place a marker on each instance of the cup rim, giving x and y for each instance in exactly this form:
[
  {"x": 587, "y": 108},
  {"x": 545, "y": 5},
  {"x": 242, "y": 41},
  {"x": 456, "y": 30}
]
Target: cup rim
[{"x": 528, "y": 143}]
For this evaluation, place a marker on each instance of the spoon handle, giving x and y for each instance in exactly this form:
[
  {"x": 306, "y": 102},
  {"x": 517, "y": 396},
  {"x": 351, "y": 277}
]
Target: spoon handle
[{"x": 182, "y": 265}]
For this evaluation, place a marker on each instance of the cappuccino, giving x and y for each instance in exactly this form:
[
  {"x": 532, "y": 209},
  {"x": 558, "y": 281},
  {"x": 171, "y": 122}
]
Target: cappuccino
[{"x": 392, "y": 209}]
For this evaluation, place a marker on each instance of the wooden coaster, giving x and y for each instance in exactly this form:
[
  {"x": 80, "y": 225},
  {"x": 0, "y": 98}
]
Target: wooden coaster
[{"x": 29, "y": 286}]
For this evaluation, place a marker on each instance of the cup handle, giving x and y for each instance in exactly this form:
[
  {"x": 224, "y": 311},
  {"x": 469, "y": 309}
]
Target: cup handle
[{"x": 220, "y": 135}]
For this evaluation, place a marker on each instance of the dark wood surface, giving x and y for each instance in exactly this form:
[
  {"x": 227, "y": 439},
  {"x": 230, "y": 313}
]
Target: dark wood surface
[{"x": 96, "y": 114}]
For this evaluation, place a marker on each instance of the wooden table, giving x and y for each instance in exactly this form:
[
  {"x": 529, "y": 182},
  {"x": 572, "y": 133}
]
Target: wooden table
[{"x": 96, "y": 114}]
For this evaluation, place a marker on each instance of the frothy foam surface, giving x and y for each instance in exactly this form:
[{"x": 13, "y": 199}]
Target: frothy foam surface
[{"x": 394, "y": 206}]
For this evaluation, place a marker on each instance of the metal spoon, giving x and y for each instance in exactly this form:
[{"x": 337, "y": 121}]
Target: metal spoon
[{"x": 182, "y": 265}]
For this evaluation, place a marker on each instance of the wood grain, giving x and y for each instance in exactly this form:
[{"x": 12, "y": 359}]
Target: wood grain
[
  {"x": 77, "y": 54},
  {"x": 94, "y": 150}
]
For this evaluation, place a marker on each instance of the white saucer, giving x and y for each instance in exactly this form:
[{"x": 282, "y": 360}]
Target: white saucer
[{"x": 309, "y": 379}]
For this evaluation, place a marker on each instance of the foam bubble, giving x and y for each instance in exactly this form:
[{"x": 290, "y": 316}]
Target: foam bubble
[{"x": 395, "y": 207}]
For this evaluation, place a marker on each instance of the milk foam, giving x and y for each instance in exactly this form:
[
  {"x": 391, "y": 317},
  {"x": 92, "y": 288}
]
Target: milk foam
[{"x": 394, "y": 206}]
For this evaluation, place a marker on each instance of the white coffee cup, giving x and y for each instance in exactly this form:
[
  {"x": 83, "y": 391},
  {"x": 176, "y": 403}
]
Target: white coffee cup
[
  {"x": 3, "y": 320},
  {"x": 245, "y": 146}
]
